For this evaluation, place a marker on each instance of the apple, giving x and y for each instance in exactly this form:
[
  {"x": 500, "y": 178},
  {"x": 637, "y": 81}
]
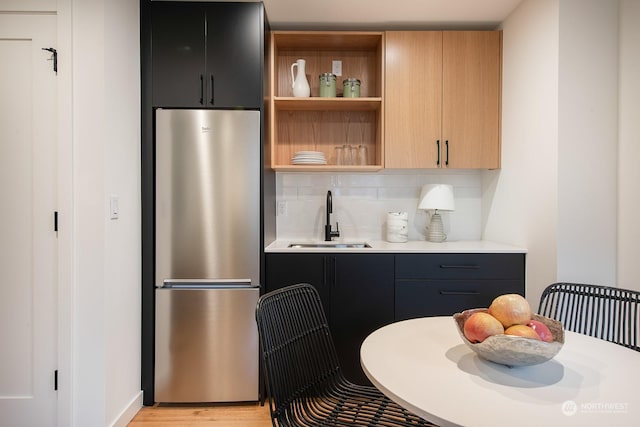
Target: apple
[
  {"x": 510, "y": 309},
  {"x": 481, "y": 325},
  {"x": 522, "y": 331},
  {"x": 541, "y": 329}
]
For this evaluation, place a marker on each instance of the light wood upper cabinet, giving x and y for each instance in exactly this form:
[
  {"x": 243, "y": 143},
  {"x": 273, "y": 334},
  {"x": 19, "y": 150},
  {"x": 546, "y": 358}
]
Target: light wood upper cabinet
[
  {"x": 443, "y": 99},
  {"x": 471, "y": 107},
  {"x": 413, "y": 98}
]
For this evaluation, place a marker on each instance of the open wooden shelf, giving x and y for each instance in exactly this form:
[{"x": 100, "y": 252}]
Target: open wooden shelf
[
  {"x": 327, "y": 104},
  {"x": 321, "y": 124},
  {"x": 327, "y": 168}
]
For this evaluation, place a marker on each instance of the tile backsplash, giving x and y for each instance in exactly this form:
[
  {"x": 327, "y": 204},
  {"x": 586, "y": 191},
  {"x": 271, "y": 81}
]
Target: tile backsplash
[{"x": 361, "y": 202}]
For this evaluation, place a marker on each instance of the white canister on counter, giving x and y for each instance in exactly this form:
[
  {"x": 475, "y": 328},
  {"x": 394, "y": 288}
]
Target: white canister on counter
[{"x": 397, "y": 227}]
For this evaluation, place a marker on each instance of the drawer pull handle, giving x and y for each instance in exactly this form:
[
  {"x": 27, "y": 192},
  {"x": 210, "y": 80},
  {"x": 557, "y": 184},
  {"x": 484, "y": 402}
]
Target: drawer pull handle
[
  {"x": 460, "y": 267},
  {"x": 454, "y": 293}
]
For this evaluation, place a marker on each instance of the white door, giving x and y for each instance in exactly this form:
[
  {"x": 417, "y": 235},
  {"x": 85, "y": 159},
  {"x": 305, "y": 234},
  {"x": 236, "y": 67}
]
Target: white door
[{"x": 28, "y": 247}]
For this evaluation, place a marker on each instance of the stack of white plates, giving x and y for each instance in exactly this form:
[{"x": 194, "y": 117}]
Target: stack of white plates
[{"x": 308, "y": 158}]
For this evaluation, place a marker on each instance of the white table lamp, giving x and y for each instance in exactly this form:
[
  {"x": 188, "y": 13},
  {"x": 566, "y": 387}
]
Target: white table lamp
[{"x": 436, "y": 197}]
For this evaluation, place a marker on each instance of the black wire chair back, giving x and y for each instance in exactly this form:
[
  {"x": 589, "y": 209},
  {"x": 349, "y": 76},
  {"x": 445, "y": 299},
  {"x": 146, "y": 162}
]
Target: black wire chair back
[
  {"x": 604, "y": 312},
  {"x": 302, "y": 374}
]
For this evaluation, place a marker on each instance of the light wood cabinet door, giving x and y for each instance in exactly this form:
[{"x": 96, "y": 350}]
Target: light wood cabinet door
[
  {"x": 413, "y": 98},
  {"x": 443, "y": 99},
  {"x": 471, "y": 99}
]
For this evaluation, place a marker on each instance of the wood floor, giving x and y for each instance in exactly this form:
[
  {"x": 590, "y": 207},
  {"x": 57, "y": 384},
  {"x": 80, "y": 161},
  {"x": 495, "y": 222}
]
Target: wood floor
[{"x": 245, "y": 415}]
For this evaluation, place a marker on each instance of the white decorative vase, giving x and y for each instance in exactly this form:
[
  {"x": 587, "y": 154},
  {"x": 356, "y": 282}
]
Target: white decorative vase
[{"x": 300, "y": 84}]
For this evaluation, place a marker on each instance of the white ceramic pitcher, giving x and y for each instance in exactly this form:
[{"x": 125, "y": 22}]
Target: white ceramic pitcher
[{"x": 300, "y": 84}]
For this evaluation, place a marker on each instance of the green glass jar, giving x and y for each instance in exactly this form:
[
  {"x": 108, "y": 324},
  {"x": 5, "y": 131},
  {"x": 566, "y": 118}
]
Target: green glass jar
[
  {"x": 327, "y": 85},
  {"x": 351, "y": 88}
]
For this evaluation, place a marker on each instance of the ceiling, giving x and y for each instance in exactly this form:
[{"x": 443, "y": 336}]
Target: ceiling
[{"x": 385, "y": 14}]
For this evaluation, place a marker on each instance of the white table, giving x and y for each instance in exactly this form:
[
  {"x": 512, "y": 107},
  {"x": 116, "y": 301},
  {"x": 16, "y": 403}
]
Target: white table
[{"x": 423, "y": 365}]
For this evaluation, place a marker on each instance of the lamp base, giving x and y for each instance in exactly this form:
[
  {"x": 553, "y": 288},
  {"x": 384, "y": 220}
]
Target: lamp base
[{"x": 435, "y": 230}]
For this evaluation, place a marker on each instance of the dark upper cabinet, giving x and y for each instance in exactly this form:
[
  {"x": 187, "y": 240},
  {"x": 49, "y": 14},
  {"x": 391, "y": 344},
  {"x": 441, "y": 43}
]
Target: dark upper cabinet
[
  {"x": 234, "y": 54},
  {"x": 207, "y": 55}
]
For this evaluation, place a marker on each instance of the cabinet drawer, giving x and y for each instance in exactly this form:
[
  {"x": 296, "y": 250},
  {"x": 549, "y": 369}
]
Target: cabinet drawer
[
  {"x": 421, "y": 298},
  {"x": 460, "y": 266}
]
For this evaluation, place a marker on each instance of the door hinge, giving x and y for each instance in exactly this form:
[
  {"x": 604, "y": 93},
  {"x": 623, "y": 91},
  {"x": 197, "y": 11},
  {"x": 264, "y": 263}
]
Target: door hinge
[
  {"x": 55, "y": 222},
  {"x": 54, "y": 54},
  {"x": 55, "y": 380}
]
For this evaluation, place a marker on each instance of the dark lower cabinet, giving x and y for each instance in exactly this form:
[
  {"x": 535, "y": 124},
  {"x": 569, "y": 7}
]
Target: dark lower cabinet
[
  {"x": 443, "y": 284},
  {"x": 363, "y": 292},
  {"x": 283, "y": 270},
  {"x": 361, "y": 298},
  {"x": 356, "y": 292},
  {"x": 207, "y": 54}
]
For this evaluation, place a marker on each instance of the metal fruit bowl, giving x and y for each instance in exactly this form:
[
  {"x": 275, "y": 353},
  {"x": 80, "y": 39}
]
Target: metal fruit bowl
[{"x": 512, "y": 350}]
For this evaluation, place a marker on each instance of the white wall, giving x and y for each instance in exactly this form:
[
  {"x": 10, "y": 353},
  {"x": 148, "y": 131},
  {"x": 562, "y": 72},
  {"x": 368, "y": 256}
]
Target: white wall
[
  {"x": 89, "y": 355},
  {"x": 587, "y": 141},
  {"x": 106, "y": 258},
  {"x": 520, "y": 200},
  {"x": 629, "y": 146},
  {"x": 557, "y": 191},
  {"x": 122, "y": 236}
]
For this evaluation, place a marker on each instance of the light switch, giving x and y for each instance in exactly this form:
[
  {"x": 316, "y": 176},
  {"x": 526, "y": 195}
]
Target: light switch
[
  {"x": 282, "y": 209},
  {"x": 114, "y": 207}
]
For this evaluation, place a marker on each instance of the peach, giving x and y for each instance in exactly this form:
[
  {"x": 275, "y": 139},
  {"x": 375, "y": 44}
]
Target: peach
[
  {"x": 481, "y": 325},
  {"x": 510, "y": 309},
  {"x": 541, "y": 329},
  {"x": 522, "y": 331}
]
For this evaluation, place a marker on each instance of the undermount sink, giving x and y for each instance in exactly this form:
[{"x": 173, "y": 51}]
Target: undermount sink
[{"x": 329, "y": 245}]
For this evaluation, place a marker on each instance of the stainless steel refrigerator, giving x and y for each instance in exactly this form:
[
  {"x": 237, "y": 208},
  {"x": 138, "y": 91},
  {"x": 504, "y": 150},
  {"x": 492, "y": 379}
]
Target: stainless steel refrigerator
[{"x": 207, "y": 263}]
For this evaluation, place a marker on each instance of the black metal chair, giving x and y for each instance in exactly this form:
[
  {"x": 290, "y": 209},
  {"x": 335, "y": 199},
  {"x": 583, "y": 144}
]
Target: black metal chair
[
  {"x": 302, "y": 374},
  {"x": 604, "y": 312}
]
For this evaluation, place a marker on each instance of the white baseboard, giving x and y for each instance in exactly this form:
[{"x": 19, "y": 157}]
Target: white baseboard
[{"x": 129, "y": 412}]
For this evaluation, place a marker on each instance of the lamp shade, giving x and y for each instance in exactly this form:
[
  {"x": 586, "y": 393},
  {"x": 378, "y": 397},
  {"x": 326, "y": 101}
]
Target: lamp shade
[{"x": 437, "y": 197}]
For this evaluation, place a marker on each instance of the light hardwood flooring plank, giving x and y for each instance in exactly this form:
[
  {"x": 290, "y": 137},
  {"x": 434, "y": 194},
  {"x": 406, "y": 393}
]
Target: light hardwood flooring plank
[{"x": 249, "y": 415}]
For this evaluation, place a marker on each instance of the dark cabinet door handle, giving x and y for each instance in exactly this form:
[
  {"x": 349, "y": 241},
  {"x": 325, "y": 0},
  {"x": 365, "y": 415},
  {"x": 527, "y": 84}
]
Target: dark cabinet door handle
[
  {"x": 460, "y": 267},
  {"x": 456, "y": 293},
  {"x": 324, "y": 271},
  {"x": 334, "y": 273},
  {"x": 211, "y": 89},
  {"x": 438, "y": 146},
  {"x": 446, "y": 159},
  {"x": 201, "y": 89}
]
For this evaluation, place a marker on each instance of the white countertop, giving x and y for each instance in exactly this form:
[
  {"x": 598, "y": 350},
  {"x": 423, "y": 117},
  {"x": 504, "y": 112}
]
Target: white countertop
[{"x": 415, "y": 246}]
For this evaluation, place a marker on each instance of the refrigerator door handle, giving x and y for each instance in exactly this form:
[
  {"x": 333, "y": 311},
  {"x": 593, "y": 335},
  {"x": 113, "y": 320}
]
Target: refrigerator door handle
[{"x": 207, "y": 283}]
